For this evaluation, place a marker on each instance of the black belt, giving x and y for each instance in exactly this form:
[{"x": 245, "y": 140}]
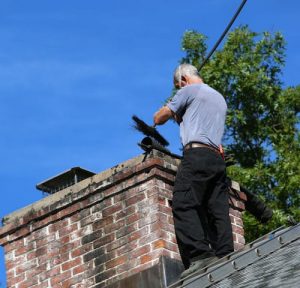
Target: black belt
[{"x": 200, "y": 145}]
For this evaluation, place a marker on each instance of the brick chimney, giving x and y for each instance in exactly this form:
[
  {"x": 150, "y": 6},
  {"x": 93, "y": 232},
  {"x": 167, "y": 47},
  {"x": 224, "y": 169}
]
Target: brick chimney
[{"x": 114, "y": 229}]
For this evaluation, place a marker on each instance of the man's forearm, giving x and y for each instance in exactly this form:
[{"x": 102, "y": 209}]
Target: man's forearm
[{"x": 162, "y": 115}]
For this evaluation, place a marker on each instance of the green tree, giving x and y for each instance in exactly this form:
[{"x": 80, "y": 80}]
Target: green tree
[{"x": 262, "y": 126}]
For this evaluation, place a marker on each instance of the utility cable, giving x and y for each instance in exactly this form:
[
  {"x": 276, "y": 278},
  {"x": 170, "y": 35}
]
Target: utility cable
[{"x": 224, "y": 33}]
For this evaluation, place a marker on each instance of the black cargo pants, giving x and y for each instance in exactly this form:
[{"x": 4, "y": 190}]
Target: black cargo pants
[{"x": 200, "y": 206}]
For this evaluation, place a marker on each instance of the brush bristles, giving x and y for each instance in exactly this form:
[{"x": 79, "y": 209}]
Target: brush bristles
[{"x": 147, "y": 130}]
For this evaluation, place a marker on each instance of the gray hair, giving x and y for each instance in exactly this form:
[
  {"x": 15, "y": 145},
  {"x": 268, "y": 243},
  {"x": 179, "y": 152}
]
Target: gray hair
[{"x": 185, "y": 70}]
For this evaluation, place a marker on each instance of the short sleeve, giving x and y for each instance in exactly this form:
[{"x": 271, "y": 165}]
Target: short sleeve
[{"x": 178, "y": 103}]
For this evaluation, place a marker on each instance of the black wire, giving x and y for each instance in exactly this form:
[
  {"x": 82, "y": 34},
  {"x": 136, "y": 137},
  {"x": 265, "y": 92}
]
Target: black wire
[{"x": 224, "y": 33}]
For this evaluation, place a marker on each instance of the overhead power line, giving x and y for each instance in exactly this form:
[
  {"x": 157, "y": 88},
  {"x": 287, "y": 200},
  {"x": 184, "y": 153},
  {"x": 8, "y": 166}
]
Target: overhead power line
[{"x": 224, "y": 33}]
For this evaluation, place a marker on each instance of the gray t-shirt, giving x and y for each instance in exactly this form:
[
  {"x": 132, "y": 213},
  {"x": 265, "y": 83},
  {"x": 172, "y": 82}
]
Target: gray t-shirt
[{"x": 203, "y": 112}]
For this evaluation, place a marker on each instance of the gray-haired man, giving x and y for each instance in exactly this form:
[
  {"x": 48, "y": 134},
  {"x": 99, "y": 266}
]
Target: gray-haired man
[{"x": 200, "y": 199}]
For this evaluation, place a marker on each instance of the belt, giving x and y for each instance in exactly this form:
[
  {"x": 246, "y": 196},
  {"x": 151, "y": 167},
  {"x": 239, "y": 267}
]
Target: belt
[{"x": 200, "y": 145}]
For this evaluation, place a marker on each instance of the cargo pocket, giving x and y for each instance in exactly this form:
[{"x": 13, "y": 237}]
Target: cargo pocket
[{"x": 183, "y": 198}]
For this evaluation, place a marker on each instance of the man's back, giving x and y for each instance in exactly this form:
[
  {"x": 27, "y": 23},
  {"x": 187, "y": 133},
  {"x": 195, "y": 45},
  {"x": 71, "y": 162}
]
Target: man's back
[{"x": 203, "y": 111}]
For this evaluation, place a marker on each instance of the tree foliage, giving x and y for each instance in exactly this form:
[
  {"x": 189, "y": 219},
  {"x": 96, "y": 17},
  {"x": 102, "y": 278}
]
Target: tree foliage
[{"x": 262, "y": 126}]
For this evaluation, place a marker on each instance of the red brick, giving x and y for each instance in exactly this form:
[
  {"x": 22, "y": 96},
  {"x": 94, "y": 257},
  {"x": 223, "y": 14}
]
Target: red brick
[
  {"x": 146, "y": 258},
  {"x": 28, "y": 283},
  {"x": 15, "y": 280},
  {"x": 20, "y": 251},
  {"x": 242, "y": 196},
  {"x": 58, "y": 225},
  {"x": 80, "y": 215},
  {"x": 98, "y": 207},
  {"x": 124, "y": 231},
  {"x": 125, "y": 212},
  {"x": 234, "y": 235},
  {"x": 235, "y": 212},
  {"x": 52, "y": 249},
  {"x": 238, "y": 246},
  {"x": 10, "y": 274},
  {"x": 19, "y": 233},
  {"x": 41, "y": 251},
  {"x": 125, "y": 268},
  {"x": 123, "y": 174},
  {"x": 96, "y": 253},
  {"x": 149, "y": 238},
  {"x": 173, "y": 239},
  {"x": 12, "y": 246},
  {"x": 151, "y": 220},
  {"x": 80, "y": 269},
  {"x": 26, "y": 266},
  {"x": 240, "y": 239},
  {"x": 111, "y": 209},
  {"x": 104, "y": 240},
  {"x": 89, "y": 219},
  {"x": 69, "y": 246},
  {"x": 238, "y": 221},
  {"x": 101, "y": 223},
  {"x": 152, "y": 191},
  {"x": 42, "y": 285},
  {"x": 138, "y": 234},
  {"x": 165, "y": 209},
  {"x": 133, "y": 218},
  {"x": 67, "y": 230},
  {"x": 91, "y": 237},
  {"x": 237, "y": 229},
  {"x": 44, "y": 241},
  {"x": 71, "y": 264},
  {"x": 236, "y": 203},
  {"x": 49, "y": 274},
  {"x": 33, "y": 272},
  {"x": 115, "y": 262},
  {"x": 44, "y": 222},
  {"x": 10, "y": 265},
  {"x": 135, "y": 199},
  {"x": 162, "y": 200},
  {"x": 171, "y": 220},
  {"x": 159, "y": 244},
  {"x": 241, "y": 205},
  {"x": 140, "y": 251},
  {"x": 116, "y": 244},
  {"x": 74, "y": 282},
  {"x": 60, "y": 278},
  {"x": 127, "y": 248},
  {"x": 101, "y": 277},
  {"x": 65, "y": 239},
  {"x": 41, "y": 233},
  {"x": 171, "y": 247},
  {"x": 58, "y": 259},
  {"x": 82, "y": 250},
  {"x": 113, "y": 227},
  {"x": 69, "y": 210},
  {"x": 118, "y": 198}
]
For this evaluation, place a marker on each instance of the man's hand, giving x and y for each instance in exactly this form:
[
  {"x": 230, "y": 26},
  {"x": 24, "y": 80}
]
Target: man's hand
[{"x": 162, "y": 116}]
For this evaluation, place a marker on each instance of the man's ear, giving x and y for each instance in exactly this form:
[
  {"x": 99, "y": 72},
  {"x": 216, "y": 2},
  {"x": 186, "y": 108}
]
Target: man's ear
[{"x": 184, "y": 80}]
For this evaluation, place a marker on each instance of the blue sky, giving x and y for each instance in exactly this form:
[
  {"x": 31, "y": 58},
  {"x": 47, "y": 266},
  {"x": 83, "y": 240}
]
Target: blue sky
[{"x": 72, "y": 73}]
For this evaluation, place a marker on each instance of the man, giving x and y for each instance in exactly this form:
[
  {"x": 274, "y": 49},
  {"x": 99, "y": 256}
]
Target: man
[{"x": 200, "y": 198}]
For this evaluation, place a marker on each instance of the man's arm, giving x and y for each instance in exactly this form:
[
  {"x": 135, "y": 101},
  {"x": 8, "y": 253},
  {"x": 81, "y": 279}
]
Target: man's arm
[{"x": 162, "y": 115}]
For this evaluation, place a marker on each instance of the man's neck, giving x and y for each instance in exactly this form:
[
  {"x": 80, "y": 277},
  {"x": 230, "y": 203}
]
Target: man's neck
[{"x": 194, "y": 80}]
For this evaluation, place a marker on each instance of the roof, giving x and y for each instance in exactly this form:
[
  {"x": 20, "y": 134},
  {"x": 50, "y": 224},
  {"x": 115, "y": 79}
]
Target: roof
[
  {"x": 271, "y": 261},
  {"x": 279, "y": 269}
]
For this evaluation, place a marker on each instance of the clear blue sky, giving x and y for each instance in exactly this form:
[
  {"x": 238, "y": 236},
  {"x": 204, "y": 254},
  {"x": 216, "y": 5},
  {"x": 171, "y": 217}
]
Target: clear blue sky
[{"x": 72, "y": 73}]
